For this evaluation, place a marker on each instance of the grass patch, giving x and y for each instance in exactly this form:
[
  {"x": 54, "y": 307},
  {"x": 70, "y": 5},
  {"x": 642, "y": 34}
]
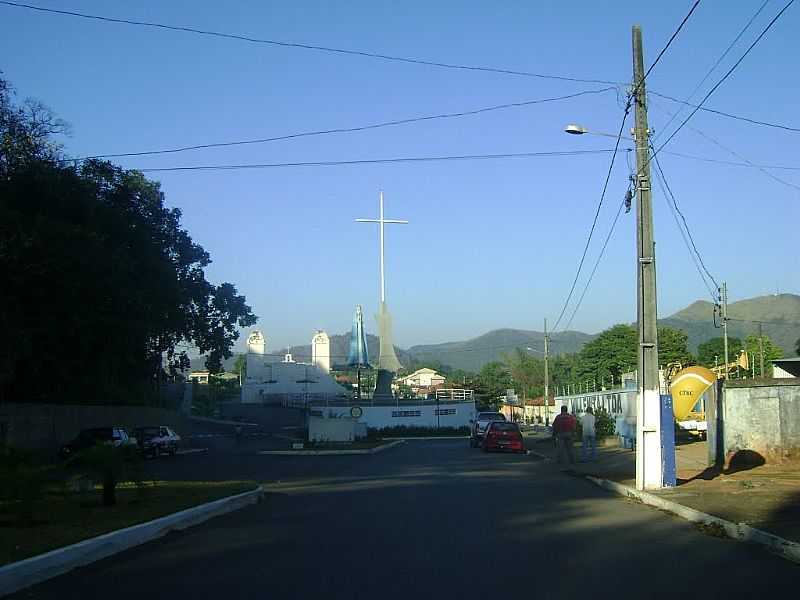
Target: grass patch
[{"x": 63, "y": 518}]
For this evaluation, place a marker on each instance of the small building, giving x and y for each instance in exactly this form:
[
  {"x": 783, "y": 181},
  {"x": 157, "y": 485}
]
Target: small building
[
  {"x": 422, "y": 381},
  {"x": 199, "y": 377},
  {"x": 785, "y": 368}
]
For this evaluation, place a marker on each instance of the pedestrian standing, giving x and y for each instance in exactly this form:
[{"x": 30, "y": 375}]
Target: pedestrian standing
[
  {"x": 589, "y": 435},
  {"x": 564, "y": 426}
]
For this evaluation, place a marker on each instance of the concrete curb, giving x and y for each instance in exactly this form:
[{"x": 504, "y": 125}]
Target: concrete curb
[
  {"x": 374, "y": 450},
  {"x": 222, "y": 421},
  {"x": 192, "y": 451},
  {"x": 539, "y": 455},
  {"x": 25, "y": 573},
  {"x": 430, "y": 437},
  {"x": 738, "y": 531}
]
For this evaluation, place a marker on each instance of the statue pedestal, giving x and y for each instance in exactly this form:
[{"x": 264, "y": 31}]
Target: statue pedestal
[{"x": 383, "y": 386}]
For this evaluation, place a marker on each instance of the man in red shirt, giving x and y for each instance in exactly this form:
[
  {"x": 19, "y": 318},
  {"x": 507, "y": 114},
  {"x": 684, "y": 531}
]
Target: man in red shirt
[{"x": 564, "y": 431}]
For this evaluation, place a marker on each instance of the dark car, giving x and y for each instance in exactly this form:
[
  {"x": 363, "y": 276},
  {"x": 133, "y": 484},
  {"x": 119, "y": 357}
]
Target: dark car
[
  {"x": 501, "y": 435},
  {"x": 114, "y": 436},
  {"x": 157, "y": 440}
]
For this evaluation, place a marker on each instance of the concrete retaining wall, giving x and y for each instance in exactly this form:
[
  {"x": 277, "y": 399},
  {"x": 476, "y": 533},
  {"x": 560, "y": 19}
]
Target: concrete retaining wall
[
  {"x": 762, "y": 416},
  {"x": 48, "y": 426}
]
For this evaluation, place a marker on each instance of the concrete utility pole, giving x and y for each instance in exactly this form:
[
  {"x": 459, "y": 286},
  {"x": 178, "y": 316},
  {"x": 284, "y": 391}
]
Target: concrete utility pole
[
  {"x": 546, "y": 379},
  {"x": 649, "y": 467},
  {"x": 725, "y": 325}
]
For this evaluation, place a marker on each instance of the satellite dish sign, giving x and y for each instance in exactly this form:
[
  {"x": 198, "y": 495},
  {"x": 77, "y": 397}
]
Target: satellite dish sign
[{"x": 687, "y": 387}]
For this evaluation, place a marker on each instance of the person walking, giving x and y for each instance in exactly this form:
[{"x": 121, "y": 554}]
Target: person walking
[
  {"x": 589, "y": 435},
  {"x": 564, "y": 426}
]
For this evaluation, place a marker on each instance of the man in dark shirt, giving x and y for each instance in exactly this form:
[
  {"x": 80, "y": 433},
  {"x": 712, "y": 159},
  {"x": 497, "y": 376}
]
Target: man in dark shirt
[{"x": 564, "y": 431}]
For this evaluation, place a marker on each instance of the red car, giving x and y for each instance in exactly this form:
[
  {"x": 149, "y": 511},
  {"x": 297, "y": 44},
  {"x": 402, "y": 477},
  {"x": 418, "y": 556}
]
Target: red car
[{"x": 502, "y": 435}]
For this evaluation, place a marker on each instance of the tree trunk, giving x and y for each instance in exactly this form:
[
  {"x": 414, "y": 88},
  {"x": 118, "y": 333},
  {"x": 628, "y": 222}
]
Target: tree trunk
[{"x": 109, "y": 489}]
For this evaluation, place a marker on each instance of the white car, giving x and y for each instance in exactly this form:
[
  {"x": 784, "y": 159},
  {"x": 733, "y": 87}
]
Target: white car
[
  {"x": 157, "y": 440},
  {"x": 479, "y": 425}
]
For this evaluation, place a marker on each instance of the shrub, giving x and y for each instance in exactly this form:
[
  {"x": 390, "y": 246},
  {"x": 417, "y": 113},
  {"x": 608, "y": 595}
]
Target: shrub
[
  {"x": 415, "y": 431},
  {"x": 22, "y": 482},
  {"x": 604, "y": 425}
]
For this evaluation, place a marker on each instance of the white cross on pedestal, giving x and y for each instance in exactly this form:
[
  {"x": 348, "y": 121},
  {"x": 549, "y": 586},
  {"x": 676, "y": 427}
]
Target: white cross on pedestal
[{"x": 382, "y": 222}]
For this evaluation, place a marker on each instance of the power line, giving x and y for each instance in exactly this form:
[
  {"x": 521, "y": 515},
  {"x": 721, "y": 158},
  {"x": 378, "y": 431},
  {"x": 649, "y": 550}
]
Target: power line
[
  {"x": 663, "y": 177},
  {"x": 729, "y": 162},
  {"x": 362, "y": 53},
  {"x": 686, "y": 242},
  {"x": 719, "y": 60},
  {"x": 596, "y": 263},
  {"x": 667, "y": 45},
  {"x": 765, "y": 322},
  {"x": 373, "y": 161},
  {"x": 724, "y": 77},
  {"x": 349, "y": 129},
  {"x": 596, "y": 214},
  {"x": 727, "y": 114},
  {"x": 747, "y": 162}
]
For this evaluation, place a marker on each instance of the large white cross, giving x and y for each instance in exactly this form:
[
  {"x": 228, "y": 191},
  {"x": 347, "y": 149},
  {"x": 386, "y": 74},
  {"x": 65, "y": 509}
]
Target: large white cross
[{"x": 382, "y": 222}]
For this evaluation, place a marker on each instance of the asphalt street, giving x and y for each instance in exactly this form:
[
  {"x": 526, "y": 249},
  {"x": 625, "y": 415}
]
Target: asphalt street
[{"x": 427, "y": 519}]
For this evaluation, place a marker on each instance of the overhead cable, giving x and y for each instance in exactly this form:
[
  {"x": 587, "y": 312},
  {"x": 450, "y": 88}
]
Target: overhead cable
[
  {"x": 719, "y": 60},
  {"x": 372, "y": 161},
  {"x": 596, "y": 214},
  {"x": 727, "y": 74},
  {"x": 350, "y": 129},
  {"x": 244, "y": 38}
]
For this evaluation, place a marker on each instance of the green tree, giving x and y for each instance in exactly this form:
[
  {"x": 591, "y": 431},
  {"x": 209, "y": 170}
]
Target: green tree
[
  {"x": 610, "y": 354},
  {"x": 527, "y": 373},
  {"x": 797, "y": 347},
  {"x": 673, "y": 347},
  {"x": 492, "y": 382},
  {"x": 94, "y": 263},
  {"x": 240, "y": 366},
  {"x": 771, "y": 352},
  {"x": 712, "y": 352}
]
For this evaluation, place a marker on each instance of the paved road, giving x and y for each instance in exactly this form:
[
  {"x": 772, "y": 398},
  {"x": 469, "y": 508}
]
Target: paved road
[{"x": 429, "y": 519}]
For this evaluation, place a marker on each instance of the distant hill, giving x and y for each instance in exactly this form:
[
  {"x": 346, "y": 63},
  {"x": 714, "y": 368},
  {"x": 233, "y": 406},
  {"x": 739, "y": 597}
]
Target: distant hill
[
  {"x": 471, "y": 355},
  {"x": 780, "y": 314}
]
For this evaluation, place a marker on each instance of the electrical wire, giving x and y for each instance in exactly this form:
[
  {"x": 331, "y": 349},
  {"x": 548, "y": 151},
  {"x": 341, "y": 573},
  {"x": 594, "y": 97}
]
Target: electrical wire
[
  {"x": 719, "y": 60},
  {"x": 667, "y": 45},
  {"x": 725, "y": 77},
  {"x": 374, "y": 161},
  {"x": 729, "y": 162},
  {"x": 243, "y": 38},
  {"x": 672, "y": 207},
  {"x": 596, "y": 263},
  {"x": 596, "y": 214},
  {"x": 347, "y": 129},
  {"x": 727, "y": 114},
  {"x": 663, "y": 177}
]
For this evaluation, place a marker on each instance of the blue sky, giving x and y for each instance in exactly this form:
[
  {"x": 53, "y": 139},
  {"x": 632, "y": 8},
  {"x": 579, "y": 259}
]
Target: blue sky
[{"x": 491, "y": 243}]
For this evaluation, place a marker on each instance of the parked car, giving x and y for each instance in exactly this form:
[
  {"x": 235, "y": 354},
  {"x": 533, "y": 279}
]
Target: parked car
[
  {"x": 501, "y": 435},
  {"x": 480, "y": 424},
  {"x": 157, "y": 440},
  {"x": 115, "y": 436}
]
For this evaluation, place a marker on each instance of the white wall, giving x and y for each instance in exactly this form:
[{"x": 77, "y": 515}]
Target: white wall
[{"x": 451, "y": 415}]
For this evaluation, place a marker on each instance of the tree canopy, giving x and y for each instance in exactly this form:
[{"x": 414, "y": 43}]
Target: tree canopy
[
  {"x": 712, "y": 352},
  {"x": 103, "y": 288}
]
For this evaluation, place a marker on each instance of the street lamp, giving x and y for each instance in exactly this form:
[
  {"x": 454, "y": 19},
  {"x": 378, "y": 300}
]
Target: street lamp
[{"x": 574, "y": 129}]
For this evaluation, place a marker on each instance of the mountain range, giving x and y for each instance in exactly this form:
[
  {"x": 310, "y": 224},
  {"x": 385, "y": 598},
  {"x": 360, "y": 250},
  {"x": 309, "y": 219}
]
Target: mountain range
[{"x": 779, "y": 315}]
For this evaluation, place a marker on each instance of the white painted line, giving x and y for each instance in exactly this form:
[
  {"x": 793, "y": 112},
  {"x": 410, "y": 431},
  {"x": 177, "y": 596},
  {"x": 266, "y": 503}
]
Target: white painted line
[
  {"x": 25, "y": 573},
  {"x": 788, "y": 549},
  {"x": 374, "y": 450},
  {"x": 192, "y": 451},
  {"x": 430, "y": 437}
]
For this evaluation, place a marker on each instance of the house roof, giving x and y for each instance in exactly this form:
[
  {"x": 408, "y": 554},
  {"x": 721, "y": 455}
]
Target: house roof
[
  {"x": 423, "y": 370},
  {"x": 787, "y": 360}
]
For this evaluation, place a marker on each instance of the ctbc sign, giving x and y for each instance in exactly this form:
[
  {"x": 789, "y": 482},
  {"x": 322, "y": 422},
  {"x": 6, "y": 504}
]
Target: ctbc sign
[{"x": 687, "y": 386}]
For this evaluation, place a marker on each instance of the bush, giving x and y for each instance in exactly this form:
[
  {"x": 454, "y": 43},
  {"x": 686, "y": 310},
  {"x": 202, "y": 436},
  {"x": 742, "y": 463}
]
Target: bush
[
  {"x": 407, "y": 431},
  {"x": 111, "y": 465},
  {"x": 22, "y": 482},
  {"x": 604, "y": 425}
]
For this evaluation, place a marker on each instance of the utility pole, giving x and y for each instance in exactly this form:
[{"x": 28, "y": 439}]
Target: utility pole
[
  {"x": 546, "y": 379},
  {"x": 725, "y": 324},
  {"x": 761, "y": 349},
  {"x": 649, "y": 467}
]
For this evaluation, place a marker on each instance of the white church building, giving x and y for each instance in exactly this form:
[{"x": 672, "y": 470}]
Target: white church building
[{"x": 272, "y": 379}]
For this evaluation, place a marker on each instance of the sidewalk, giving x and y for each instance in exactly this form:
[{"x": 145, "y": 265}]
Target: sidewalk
[{"x": 766, "y": 497}]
